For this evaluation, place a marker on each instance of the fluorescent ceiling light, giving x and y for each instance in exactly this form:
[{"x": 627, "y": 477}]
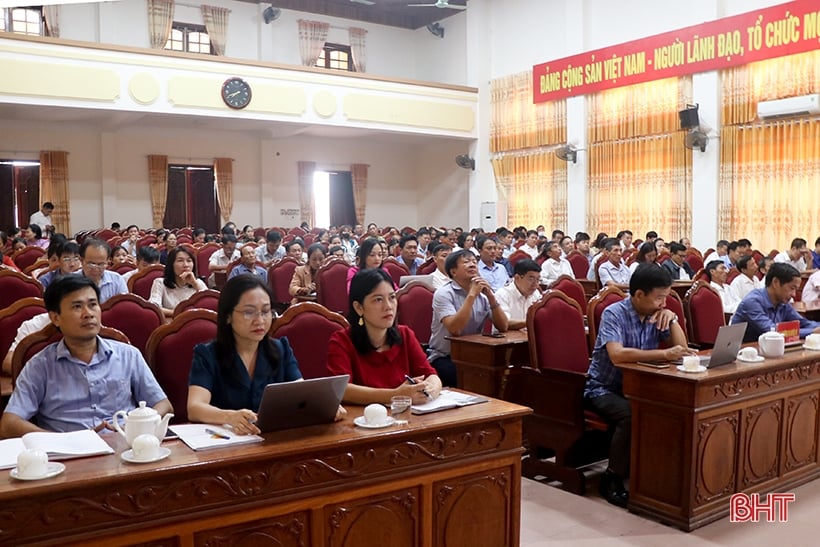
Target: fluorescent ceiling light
[{"x": 28, "y": 3}]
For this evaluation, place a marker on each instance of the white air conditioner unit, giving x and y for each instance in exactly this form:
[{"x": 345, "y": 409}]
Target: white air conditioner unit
[
  {"x": 804, "y": 105},
  {"x": 493, "y": 215}
]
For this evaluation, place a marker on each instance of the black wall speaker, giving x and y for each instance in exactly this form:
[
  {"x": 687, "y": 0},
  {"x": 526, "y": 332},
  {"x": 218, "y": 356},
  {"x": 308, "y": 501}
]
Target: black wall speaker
[{"x": 689, "y": 117}]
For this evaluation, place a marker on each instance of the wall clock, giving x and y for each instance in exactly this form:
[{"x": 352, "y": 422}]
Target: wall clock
[{"x": 236, "y": 93}]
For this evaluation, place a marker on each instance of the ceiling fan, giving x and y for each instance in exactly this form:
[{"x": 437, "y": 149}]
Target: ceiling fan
[
  {"x": 365, "y": 2},
  {"x": 438, "y": 4}
]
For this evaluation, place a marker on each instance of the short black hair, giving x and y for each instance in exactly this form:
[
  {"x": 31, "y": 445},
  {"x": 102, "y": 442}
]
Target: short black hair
[
  {"x": 48, "y": 205},
  {"x": 743, "y": 242},
  {"x": 198, "y": 231},
  {"x": 648, "y": 277},
  {"x": 712, "y": 266},
  {"x": 65, "y": 285},
  {"x": 721, "y": 243},
  {"x": 272, "y": 236},
  {"x": 743, "y": 262},
  {"x": 292, "y": 242},
  {"x": 651, "y": 233},
  {"x": 229, "y": 238},
  {"x": 69, "y": 248},
  {"x": 733, "y": 246},
  {"x": 782, "y": 272},
  {"x": 675, "y": 247},
  {"x": 557, "y": 232},
  {"x": 611, "y": 242},
  {"x": 453, "y": 258},
  {"x": 581, "y": 236},
  {"x": 522, "y": 267},
  {"x": 404, "y": 239},
  {"x": 441, "y": 247},
  {"x": 798, "y": 243},
  {"x": 148, "y": 254}
]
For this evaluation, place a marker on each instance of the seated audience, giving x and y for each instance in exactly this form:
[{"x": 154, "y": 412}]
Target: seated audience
[
  {"x": 68, "y": 386},
  {"x": 34, "y": 236},
  {"x": 567, "y": 245},
  {"x": 678, "y": 268},
  {"x": 146, "y": 256},
  {"x": 764, "y": 308},
  {"x": 625, "y": 239},
  {"x": 582, "y": 246},
  {"x": 495, "y": 274},
  {"x": 409, "y": 256},
  {"x": 178, "y": 283},
  {"x": 170, "y": 245},
  {"x": 630, "y": 331},
  {"x": 613, "y": 271},
  {"x": 377, "y": 353},
  {"x": 246, "y": 236},
  {"x": 94, "y": 255},
  {"x": 721, "y": 252},
  {"x": 303, "y": 282},
  {"x": 69, "y": 260},
  {"x": 466, "y": 241},
  {"x": 229, "y": 374},
  {"x": 18, "y": 244},
  {"x": 272, "y": 250},
  {"x": 651, "y": 236},
  {"x": 746, "y": 281},
  {"x": 811, "y": 290},
  {"x": 460, "y": 307},
  {"x": 6, "y": 261},
  {"x": 120, "y": 256},
  {"x": 29, "y": 326},
  {"x": 220, "y": 259},
  {"x": 52, "y": 254},
  {"x": 371, "y": 254},
  {"x": 815, "y": 254},
  {"x": 440, "y": 253},
  {"x": 424, "y": 238},
  {"x": 795, "y": 256},
  {"x": 505, "y": 242},
  {"x": 716, "y": 273},
  {"x": 530, "y": 245},
  {"x": 555, "y": 265},
  {"x": 516, "y": 298},
  {"x": 248, "y": 266},
  {"x": 198, "y": 236},
  {"x": 130, "y": 244},
  {"x": 685, "y": 242},
  {"x": 763, "y": 266},
  {"x": 647, "y": 253},
  {"x": 744, "y": 247},
  {"x": 660, "y": 245},
  {"x": 293, "y": 249}
]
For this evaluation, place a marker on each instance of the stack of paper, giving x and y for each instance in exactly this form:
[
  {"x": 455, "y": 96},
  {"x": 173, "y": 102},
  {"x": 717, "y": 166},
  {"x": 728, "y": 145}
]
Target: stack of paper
[
  {"x": 205, "y": 437},
  {"x": 446, "y": 400},
  {"x": 58, "y": 446}
]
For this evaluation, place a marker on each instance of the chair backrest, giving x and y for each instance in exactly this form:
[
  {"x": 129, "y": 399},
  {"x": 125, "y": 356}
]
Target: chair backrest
[
  {"x": 12, "y": 317},
  {"x": 331, "y": 285},
  {"x": 733, "y": 273},
  {"x": 140, "y": 283},
  {"x": 700, "y": 275},
  {"x": 37, "y": 341},
  {"x": 40, "y": 263},
  {"x": 28, "y": 256},
  {"x": 579, "y": 263},
  {"x": 415, "y": 309},
  {"x": 557, "y": 317},
  {"x": 122, "y": 268},
  {"x": 516, "y": 256},
  {"x": 16, "y": 285},
  {"x": 203, "y": 256},
  {"x": 597, "y": 304},
  {"x": 134, "y": 316},
  {"x": 674, "y": 303},
  {"x": 570, "y": 287},
  {"x": 279, "y": 276},
  {"x": 695, "y": 261},
  {"x": 146, "y": 241},
  {"x": 426, "y": 267},
  {"x": 208, "y": 300},
  {"x": 395, "y": 268},
  {"x": 704, "y": 312},
  {"x": 308, "y": 327},
  {"x": 171, "y": 351},
  {"x": 105, "y": 234}
]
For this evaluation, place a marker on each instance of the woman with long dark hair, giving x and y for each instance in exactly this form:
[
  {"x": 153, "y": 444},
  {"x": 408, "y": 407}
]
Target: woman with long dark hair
[
  {"x": 371, "y": 254},
  {"x": 379, "y": 355},
  {"x": 229, "y": 374},
  {"x": 178, "y": 283}
]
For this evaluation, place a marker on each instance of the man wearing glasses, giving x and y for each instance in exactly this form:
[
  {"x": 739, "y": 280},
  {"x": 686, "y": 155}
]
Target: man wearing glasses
[
  {"x": 678, "y": 268},
  {"x": 69, "y": 263},
  {"x": 94, "y": 254}
]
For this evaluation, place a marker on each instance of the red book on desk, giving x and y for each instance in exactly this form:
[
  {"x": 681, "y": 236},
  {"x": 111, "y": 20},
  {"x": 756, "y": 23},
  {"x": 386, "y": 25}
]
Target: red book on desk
[{"x": 790, "y": 331}]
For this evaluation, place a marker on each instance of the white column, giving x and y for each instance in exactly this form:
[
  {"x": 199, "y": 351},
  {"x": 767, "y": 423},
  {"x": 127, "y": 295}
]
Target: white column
[
  {"x": 577, "y": 173},
  {"x": 108, "y": 180},
  {"x": 706, "y": 165}
]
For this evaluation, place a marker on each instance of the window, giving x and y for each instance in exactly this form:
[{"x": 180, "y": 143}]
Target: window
[
  {"x": 189, "y": 37},
  {"x": 333, "y": 199},
  {"x": 191, "y": 198},
  {"x": 21, "y": 181},
  {"x": 335, "y": 56},
  {"x": 22, "y": 21}
]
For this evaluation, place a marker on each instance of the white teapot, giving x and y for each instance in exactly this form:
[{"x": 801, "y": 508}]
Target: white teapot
[
  {"x": 141, "y": 421},
  {"x": 772, "y": 344}
]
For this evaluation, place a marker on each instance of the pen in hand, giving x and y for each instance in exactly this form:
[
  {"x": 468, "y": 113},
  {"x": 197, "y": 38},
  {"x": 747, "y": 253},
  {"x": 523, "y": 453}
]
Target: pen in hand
[
  {"x": 413, "y": 382},
  {"x": 217, "y": 434}
]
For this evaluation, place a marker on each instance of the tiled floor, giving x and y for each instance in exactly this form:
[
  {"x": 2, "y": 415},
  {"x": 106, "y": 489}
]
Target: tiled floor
[{"x": 551, "y": 516}]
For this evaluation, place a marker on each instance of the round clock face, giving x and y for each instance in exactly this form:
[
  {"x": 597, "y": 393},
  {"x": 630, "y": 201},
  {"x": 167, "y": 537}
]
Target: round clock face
[{"x": 236, "y": 93}]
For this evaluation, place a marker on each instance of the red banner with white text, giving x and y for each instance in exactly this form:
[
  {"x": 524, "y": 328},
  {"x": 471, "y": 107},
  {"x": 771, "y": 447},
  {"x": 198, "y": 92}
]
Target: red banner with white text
[{"x": 771, "y": 32}]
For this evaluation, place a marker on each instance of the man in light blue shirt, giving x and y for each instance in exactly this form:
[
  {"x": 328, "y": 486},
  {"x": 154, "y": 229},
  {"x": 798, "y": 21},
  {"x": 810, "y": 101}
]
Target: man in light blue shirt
[
  {"x": 69, "y": 263},
  {"x": 613, "y": 271},
  {"x": 410, "y": 253},
  {"x": 95, "y": 255},
  {"x": 82, "y": 380},
  {"x": 272, "y": 250},
  {"x": 247, "y": 265},
  {"x": 495, "y": 273}
]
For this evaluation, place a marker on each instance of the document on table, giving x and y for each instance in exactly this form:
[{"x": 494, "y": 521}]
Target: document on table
[
  {"x": 58, "y": 446},
  {"x": 448, "y": 399},
  {"x": 205, "y": 436}
]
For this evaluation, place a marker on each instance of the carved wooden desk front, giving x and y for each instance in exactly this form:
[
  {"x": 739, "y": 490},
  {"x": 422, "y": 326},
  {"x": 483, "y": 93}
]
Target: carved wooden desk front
[
  {"x": 450, "y": 478},
  {"x": 699, "y": 438}
]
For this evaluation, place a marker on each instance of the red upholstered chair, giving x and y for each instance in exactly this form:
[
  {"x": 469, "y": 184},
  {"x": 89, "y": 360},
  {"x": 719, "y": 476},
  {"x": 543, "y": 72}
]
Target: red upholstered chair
[
  {"x": 279, "y": 276},
  {"x": 35, "y": 342},
  {"x": 426, "y": 267},
  {"x": 570, "y": 287},
  {"x": 553, "y": 386},
  {"x": 207, "y": 300},
  {"x": 331, "y": 285},
  {"x": 700, "y": 275},
  {"x": 27, "y": 256},
  {"x": 146, "y": 241},
  {"x": 12, "y": 317},
  {"x": 134, "y": 316},
  {"x": 105, "y": 234},
  {"x": 38, "y": 264},
  {"x": 733, "y": 273},
  {"x": 415, "y": 309},
  {"x": 171, "y": 351},
  {"x": 395, "y": 268},
  {"x": 122, "y": 268},
  {"x": 595, "y": 308},
  {"x": 579, "y": 263},
  {"x": 516, "y": 256},
  {"x": 674, "y": 303},
  {"x": 757, "y": 256},
  {"x": 308, "y": 327},
  {"x": 704, "y": 314},
  {"x": 16, "y": 285},
  {"x": 596, "y": 263},
  {"x": 140, "y": 283},
  {"x": 694, "y": 259}
]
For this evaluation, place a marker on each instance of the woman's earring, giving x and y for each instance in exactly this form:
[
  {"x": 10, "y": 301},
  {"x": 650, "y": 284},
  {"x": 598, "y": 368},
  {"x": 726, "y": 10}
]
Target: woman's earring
[{"x": 361, "y": 321}]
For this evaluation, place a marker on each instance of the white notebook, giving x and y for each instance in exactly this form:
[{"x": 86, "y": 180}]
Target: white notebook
[
  {"x": 58, "y": 446},
  {"x": 446, "y": 400},
  {"x": 206, "y": 436}
]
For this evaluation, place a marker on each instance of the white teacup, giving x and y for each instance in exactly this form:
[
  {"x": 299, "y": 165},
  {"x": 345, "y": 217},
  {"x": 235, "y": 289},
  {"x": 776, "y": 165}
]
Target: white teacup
[
  {"x": 813, "y": 341},
  {"x": 747, "y": 354},
  {"x": 32, "y": 464},
  {"x": 691, "y": 362},
  {"x": 145, "y": 447},
  {"x": 375, "y": 414}
]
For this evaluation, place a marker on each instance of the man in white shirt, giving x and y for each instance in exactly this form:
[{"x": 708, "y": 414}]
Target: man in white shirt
[
  {"x": 721, "y": 253},
  {"x": 555, "y": 266},
  {"x": 505, "y": 239},
  {"x": 811, "y": 291},
  {"x": 516, "y": 298},
  {"x": 716, "y": 272},
  {"x": 530, "y": 245},
  {"x": 747, "y": 281},
  {"x": 567, "y": 246},
  {"x": 272, "y": 250},
  {"x": 220, "y": 259},
  {"x": 440, "y": 253},
  {"x": 625, "y": 239},
  {"x": 796, "y": 255},
  {"x": 42, "y": 218},
  {"x": 613, "y": 271},
  {"x": 30, "y": 326}
]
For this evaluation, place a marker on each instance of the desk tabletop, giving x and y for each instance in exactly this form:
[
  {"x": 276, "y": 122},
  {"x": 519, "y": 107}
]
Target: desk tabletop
[{"x": 509, "y": 337}]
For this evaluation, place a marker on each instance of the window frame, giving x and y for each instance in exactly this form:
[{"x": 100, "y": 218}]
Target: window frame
[
  {"x": 328, "y": 49},
  {"x": 8, "y": 20},
  {"x": 187, "y": 29}
]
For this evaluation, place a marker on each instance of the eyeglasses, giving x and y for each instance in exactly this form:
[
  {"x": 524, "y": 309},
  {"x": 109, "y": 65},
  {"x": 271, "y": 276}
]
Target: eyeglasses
[
  {"x": 96, "y": 265},
  {"x": 250, "y": 315},
  {"x": 70, "y": 259}
]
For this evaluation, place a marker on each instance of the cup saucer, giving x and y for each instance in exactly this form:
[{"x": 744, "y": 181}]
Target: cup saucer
[
  {"x": 128, "y": 456},
  {"x": 700, "y": 368},
  {"x": 806, "y": 346},
  {"x": 757, "y": 359},
  {"x": 53, "y": 469},
  {"x": 361, "y": 422}
]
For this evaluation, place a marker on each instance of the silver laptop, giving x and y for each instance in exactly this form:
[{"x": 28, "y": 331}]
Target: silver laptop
[
  {"x": 300, "y": 403},
  {"x": 727, "y": 344}
]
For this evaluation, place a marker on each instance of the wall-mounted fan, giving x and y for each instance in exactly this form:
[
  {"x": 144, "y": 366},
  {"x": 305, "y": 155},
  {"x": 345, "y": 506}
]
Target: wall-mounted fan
[
  {"x": 696, "y": 138},
  {"x": 465, "y": 162},
  {"x": 438, "y": 4},
  {"x": 270, "y": 14},
  {"x": 567, "y": 153},
  {"x": 365, "y": 2}
]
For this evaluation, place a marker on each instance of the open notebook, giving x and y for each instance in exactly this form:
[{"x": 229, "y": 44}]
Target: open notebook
[
  {"x": 58, "y": 446},
  {"x": 446, "y": 400},
  {"x": 205, "y": 437}
]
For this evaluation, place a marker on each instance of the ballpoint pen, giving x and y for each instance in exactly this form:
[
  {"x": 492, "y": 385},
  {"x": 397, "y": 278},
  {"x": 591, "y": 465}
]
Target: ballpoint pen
[
  {"x": 217, "y": 434},
  {"x": 413, "y": 382}
]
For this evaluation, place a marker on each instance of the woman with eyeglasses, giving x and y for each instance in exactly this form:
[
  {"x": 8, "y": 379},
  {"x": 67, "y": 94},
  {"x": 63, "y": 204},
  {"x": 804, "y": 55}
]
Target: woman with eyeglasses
[
  {"x": 229, "y": 374},
  {"x": 178, "y": 283},
  {"x": 370, "y": 255}
]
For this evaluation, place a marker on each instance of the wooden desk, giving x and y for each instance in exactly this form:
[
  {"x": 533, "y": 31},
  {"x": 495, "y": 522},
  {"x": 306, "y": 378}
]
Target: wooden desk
[
  {"x": 681, "y": 287},
  {"x": 451, "y": 478},
  {"x": 699, "y": 438},
  {"x": 480, "y": 360},
  {"x": 809, "y": 310}
]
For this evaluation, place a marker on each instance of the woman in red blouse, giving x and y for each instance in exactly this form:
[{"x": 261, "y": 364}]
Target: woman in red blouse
[{"x": 376, "y": 353}]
